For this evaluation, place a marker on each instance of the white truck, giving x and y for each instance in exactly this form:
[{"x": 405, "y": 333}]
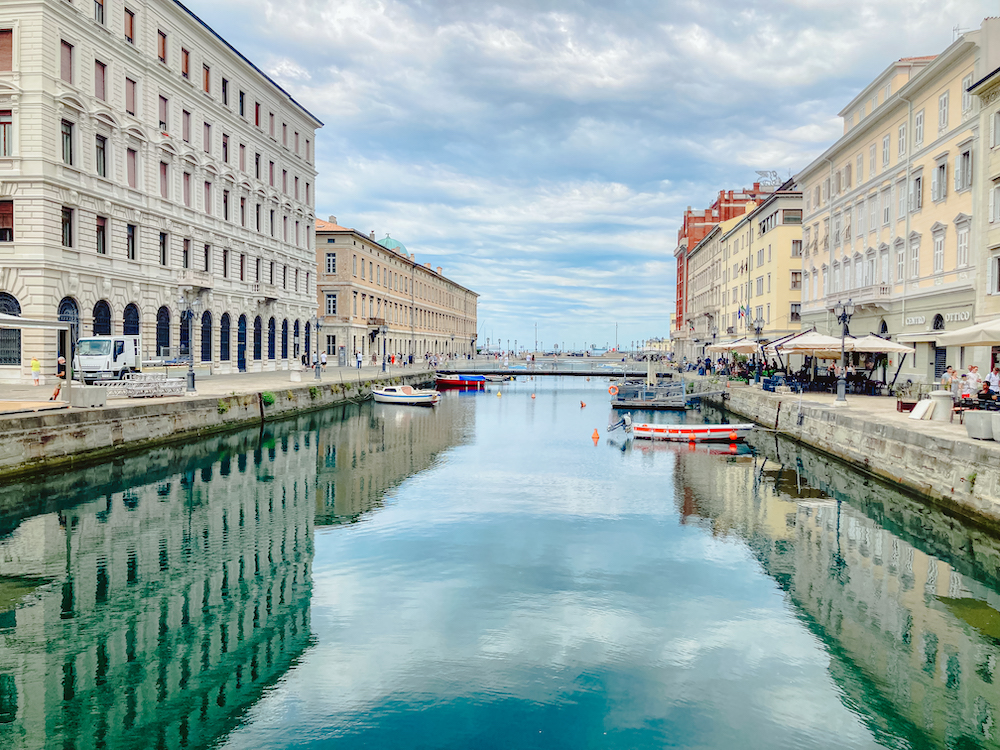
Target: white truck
[{"x": 106, "y": 357}]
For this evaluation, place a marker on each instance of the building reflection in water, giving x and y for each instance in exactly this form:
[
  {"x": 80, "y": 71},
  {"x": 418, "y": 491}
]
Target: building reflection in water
[
  {"x": 151, "y": 609},
  {"x": 903, "y": 596},
  {"x": 373, "y": 448}
]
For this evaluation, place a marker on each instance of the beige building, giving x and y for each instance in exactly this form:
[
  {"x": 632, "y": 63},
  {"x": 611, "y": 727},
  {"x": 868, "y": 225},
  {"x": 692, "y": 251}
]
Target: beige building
[
  {"x": 703, "y": 302},
  {"x": 153, "y": 181},
  {"x": 374, "y": 298},
  {"x": 889, "y": 207},
  {"x": 986, "y": 252}
]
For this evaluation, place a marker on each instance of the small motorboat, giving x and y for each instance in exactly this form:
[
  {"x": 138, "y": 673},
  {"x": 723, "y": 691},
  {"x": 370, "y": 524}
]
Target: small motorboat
[
  {"x": 405, "y": 394},
  {"x": 460, "y": 381},
  {"x": 685, "y": 433}
]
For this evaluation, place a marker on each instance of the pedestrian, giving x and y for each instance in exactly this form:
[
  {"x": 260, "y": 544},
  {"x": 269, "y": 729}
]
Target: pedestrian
[
  {"x": 36, "y": 371},
  {"x": 322, "y": 360},
  {"x": 949, "y": 381},
  {"x": 974, "y": 379},
  {"x": 357, "y": 354},
  {"x": 61, "y": 374},
  {"x": 994, "y": 379}
]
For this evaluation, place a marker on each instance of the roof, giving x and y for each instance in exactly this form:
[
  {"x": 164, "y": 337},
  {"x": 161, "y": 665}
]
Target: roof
[
  {"x": 244, "y": 59},
  {"x": 392, "y": 244},
  {"x": 326, "y": 226}
]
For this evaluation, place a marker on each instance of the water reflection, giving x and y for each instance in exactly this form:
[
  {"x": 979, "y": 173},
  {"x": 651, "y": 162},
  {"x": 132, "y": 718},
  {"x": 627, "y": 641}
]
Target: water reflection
[
  {"x": 152, "y": 609},
  {"x": 903, "y": 596}
]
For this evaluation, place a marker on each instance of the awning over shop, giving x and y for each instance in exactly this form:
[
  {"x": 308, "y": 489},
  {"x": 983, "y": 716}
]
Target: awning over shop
[
  {"x": 919, "y": 338},
  {"x": 14, "y": 321},
  {"x": 981, "y": 334}
]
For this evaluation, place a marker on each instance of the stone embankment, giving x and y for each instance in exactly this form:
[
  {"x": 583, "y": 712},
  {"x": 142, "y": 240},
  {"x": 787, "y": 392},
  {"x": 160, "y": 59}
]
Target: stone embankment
[
  {"x": 49, "y": 439},
  {"x": 935, "y": 460}
]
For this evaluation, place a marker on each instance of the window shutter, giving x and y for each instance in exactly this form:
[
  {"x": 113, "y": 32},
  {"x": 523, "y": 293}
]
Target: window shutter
[
  {"x": 912, "y": 197},
  {"x": 6, "y": 49},
  {"x": 130, "y": 96},
  {"x": 163, "y": 110},
  {"x": 993, "y": 129},
  {"x": 99, "y": 80},
  {"x": 934, "y": 184},
  {"x": 163, "y": 179},
  {"x": 66, "y": 68},
  {"x": 992, "y": 211},
  {"x": 958, "y": 173},
  {"x": 130, "y": 164}
]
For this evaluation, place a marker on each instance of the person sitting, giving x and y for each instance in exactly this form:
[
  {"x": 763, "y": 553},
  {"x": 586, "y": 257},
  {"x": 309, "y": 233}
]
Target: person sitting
[{"x": 985, "y": 394}]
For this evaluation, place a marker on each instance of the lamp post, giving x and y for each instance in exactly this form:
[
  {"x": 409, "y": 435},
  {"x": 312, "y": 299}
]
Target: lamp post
[
  {"x": 188, "y": 304},
  {"x": 452, "y": 353},
  {"x": 316, "y": 367},
  {"x": 758, "y": 325},
  {"x": 843, "y": 312},
  {"x": 383, "y": 329}
]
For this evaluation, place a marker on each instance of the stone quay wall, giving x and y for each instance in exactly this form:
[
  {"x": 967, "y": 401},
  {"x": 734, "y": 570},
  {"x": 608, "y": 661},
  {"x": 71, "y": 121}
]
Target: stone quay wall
[
  {"x": 48, "y": 439},
  {"x": 959, "y": 474}
]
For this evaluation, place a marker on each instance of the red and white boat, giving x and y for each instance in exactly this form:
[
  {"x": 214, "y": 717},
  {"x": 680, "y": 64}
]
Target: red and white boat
[{"x": 693, "y": 433}]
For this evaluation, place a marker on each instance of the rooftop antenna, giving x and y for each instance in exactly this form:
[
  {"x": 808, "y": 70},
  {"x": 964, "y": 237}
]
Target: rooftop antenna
[{"x": 957, "y": 32}]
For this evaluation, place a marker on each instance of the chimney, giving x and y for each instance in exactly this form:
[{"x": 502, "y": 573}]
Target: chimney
[
  {"x": 427, "y": 265},
  {"x": 333, "y": 219},
  {"x": 412, "y": 256},
  {"x": 371, "y": 235},
  {"x": 439, "y": 270}
]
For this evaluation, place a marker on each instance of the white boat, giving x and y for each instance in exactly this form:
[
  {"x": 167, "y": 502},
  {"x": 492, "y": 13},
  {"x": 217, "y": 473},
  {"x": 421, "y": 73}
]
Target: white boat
[
  {"x": 405, "y": 394},
  {"x": 685, "y": 433}
]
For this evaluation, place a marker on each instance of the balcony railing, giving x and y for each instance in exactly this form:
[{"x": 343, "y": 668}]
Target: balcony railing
[{"x": 197, "y": 279}]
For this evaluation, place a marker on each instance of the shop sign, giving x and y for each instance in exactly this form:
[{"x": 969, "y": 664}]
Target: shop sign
[
  {"x": 957, "y": 317},
  {"x": 916, "y": 320}
]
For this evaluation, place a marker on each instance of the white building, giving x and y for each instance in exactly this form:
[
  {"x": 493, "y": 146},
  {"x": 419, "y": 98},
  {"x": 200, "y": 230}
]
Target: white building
[{"x": 148, "y": 168}]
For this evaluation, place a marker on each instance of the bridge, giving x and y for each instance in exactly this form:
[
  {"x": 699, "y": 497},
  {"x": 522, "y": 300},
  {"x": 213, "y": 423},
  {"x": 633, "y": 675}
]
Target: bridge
[{"x": 591, "y": 367}]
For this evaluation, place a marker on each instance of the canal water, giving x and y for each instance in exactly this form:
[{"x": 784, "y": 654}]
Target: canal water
[{"x": 486, "y": 575}]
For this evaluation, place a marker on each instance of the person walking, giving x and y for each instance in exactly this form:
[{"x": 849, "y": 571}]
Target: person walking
[
  {"x": 994, "y": 379},
  {"x": 36, "y": 371},
  {"x": 322, "y": 360},
  {"x": 357, "y": 354},
  {"x": 974, "y": 379},
  {"x": 61, "y": 374}
]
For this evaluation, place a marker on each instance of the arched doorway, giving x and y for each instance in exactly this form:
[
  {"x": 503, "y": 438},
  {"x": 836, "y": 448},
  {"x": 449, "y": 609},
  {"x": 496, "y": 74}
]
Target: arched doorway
[
  {"x": 241, "y": 344},
  {"x": 10, "y": 338},
  {"x": 940, "y": 352},
  {"x": 224, "y": 338},
  {"x": 883, "y": 329},
  {"x": 206, "y": 336},
  {"x": 284, "y": 339},
  {"x": 184, "y": 339},
  {"x": 270, "y": 338},
  {"x": 258, "y": 331},
  {"x": 69, "y": 312},
  {"x": 163, "y": 332},
  {"x": 308, "y": 350},
  {"x": 295, "y": 340},
  {"x": 130, "y": 320},
  {"x": 102, "y": 319}
]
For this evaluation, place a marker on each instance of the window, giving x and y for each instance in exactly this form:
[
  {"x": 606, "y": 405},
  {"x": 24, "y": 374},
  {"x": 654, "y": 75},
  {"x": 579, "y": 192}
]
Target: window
[
  {"x": 760, "y": 285},
  {"x": 915, "y": 258},
  {"x": 6, "y": 221},
  {"x": 243, "y": 104},
  {"x": 66, "y": 62},
  {"x": 901, "y": 140},
  {"x": 331, "y": 304},
  {"x": 788, "y": 216},
  {"x": 256, "y": 165},
  {"x": 130, "y": 241},
  {"x": 296, "y": 143},
  {"x": 284, "y": 181},
  {"x": 256, "y": 114},
  {"x": 186, "y": 126},
  {"x": 6, "y": 132},
  {"x": 271, "y": 124},
  {"x": 243, "y": 211},
  {"x": 225, "y": 205},
  {"x": 130, "y": 165},
  {"x": 225, "y": 148},
  {"x": 939, "y": 251},
  {"x": 99, "y": 80},
  {"x": 861, "y": 168},
  {"x": 225, "y": 92},
  {"x": 796, "y": 280},
  {"x": 6, "y": 49},
  {"x": 939, "y": 180},
  {"x": 307, "y": 192},
  {"x": 916, "y": 193},
  {"x": 873, "y": 212},
  {"x": 208, "y": 197},
  {"x": 164, "y": 105},
  {"x": 164, "y": 245},
  {"x": 943, "y": 112},
  {"x": 243, "y": 158},
  {"x": 296, "y": 188},
  {"x": 871, "y": 160},
  {"x": 284, "y": 135},
  {"x": 185, "y": 63},
  {"x": 918, "y": 129},
  {"x": 847, "y": 176},
  {"x": 130, "y": 96},
  {"x": 207, "y": 258},
  {"x": 270, "y": 172},
  {"x": 963, "y": 246},
  {"x": 102, "y": 235},
  {"x": 354, "y": 265},
  {"x": 207, "y": 138},
  {"x": 886, "y": 206},
  {"x": 257, "y": 216},
  {"x": 901, "y": 193},
  {"x": 161, "y": 46},
  {"x": 795, "y": 313},
  {"x": 186, "y": 254},
  {"x": 963, "y": 169},
  {"x": 186, "y": 181},
  {"x": 966, "y": 96},
  {"x": 164, "y": 181},
  {"x": 331, "y": 263},
  {"x": 307, "y": 150},
  {"x": 67, "y": 142},
  {"x": 900, "y": 260},
  {"x": 129, "y": 26},
  {"x": 272, "y": 222},
  {"x": 885, "y": 151},
  {"x": 225, "y": 263},
  {"x": 67, "y": 227}
]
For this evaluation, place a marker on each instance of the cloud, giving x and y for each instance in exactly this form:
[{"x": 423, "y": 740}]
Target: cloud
[{"x": 544, "y": 153}]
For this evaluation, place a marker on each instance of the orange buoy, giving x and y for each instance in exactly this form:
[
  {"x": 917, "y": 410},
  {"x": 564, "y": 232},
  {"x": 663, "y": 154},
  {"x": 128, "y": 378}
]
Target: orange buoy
[
  {"x": 613, "y": 390},
  {"x": 498, "y": 394},
  {"x": 596, "y": 435},
  {"x": 532, "y": 395},
  {"x": 582, "y": 404},
  {"x": 733, "y": 437}
]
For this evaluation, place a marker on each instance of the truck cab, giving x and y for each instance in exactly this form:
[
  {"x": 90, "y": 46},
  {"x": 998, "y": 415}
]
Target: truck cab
[{"x": 107, "y": 357}]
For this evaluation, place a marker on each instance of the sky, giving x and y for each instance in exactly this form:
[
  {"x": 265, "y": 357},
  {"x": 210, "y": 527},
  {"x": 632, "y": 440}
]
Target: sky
[{"x": 543, "y": 153}]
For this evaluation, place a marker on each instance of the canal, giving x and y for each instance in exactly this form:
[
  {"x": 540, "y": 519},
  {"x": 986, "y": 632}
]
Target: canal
[{"x": 486, "y": 575}]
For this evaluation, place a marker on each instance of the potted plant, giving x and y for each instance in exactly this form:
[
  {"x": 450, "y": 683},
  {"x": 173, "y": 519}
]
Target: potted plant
[{"x": 907, "y": 396}]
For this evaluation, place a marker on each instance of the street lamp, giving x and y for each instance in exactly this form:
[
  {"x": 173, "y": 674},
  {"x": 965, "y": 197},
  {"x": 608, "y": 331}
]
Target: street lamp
[
  {"x": 316, "y": 367},
  {"x": 843, "y": 313},
  {"x": 758, "y": 325},
  {"x": 187, "y": 304},
  {"x": 383, "y": 329}
]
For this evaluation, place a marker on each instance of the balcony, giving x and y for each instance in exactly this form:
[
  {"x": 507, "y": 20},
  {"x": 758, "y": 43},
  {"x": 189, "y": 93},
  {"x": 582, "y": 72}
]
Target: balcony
[
  {"x": 376, "y": 321},
  {"x": 197, "y": 279}
]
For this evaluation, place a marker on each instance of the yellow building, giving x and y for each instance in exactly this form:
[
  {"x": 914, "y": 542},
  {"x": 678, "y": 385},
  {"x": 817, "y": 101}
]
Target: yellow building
[
  {"x": 986, "y": 252},
  {"x": 705, "y": 265},
  {"x": 889, "y": 206}
]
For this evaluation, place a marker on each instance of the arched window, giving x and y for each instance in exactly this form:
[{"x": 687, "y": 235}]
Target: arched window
[
  {"x": 102, "y": 319},
  {"x": 224, "y": 338},
  {"x": 184, "y": 340},
  {"x": 10, "y": 338},
  {"x": 206, "y": 336},
  {"x": 241, "y": 344},
  {"x": 307, "y": 351},
  {"x": 163, "y": 332},
  {"x": 131, "y": 320},
  {"x": 883, "y": 329},
  {"x": 69, "y": 312},
  {"x": 258, "y": 326},
  {"x": 938, "y": 323},
  {"x": 270, "y": 338},
  {"x": 284, "y": 339},
  {"x": 295, "y": 340}
]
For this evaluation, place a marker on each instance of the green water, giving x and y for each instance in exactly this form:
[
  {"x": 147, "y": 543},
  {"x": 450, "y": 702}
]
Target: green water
[{"x": 482, "y": 575}]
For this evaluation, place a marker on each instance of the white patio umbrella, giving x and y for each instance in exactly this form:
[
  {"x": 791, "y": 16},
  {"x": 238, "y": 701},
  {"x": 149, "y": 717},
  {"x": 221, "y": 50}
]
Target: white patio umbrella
[
  {"x": 740, "y": 346},
  {"x": 981, "y": 334},
  {"x": 873, "y": 344},
  {"x": 812, "y": 343}
]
